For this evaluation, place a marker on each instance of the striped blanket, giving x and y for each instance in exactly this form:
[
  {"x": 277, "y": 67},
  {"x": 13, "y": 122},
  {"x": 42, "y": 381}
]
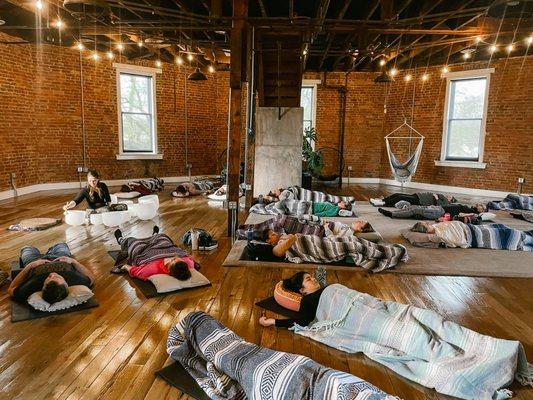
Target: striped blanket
[
  {"x": 152, "y": 184},
  {"x": 333, "y": 248},
  {"x": 299, "y": 193},
  {"x": 512, "y": 202},
  {"x": 204, "y": 185},
  {"x": 283, "y": 224},
  {"x": 301, "y": 208},
  {"x": 227, "y": 367},
  {"x": 419, "y": 344},
  {"x": 498, "y": 237}
]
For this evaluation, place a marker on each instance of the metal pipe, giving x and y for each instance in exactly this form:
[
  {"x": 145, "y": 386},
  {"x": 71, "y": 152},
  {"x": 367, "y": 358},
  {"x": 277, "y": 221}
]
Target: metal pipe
[
  {"x": 250, "y": 107},
  {"x": 84, "y": 155}
]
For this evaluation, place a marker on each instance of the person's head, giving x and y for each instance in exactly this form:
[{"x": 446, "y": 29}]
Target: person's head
[
  {"x": 302, "y": 283},
  {"x": 479, "y": 207},
  {"x": 276, "y": 192},
  {"x": 55, "y": 288},
  {"x": 362, "y": 226},
  {"x": 272, "y": 237},
  {"x": 345, "y": 205},
  {"x": 93, "y": 177},
  {"x": 178, "y": 268},
  {"x": 181, "y": 190},
  {"x": 423, "y": 227},
  {"x": 451, "y": 199}
]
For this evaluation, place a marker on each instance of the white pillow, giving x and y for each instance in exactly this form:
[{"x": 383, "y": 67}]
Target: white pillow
[
  {"x": 127, "y": 195},
  {"x": 165, "y": 283},
  {"x": 77, "y": 294},
  {"x": 487, "y": 216}
]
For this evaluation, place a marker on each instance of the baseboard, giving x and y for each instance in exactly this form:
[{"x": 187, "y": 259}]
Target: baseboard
[
  {"x": 429, "y": 187},
  {"x": 8, "y": 194}
]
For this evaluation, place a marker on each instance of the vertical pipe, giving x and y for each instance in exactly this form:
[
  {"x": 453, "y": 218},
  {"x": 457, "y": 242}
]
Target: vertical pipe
[
  {"x": 249, "y": 108},
  {"x": 84, "y": 155},
  {"x": 187, "y": 165}
]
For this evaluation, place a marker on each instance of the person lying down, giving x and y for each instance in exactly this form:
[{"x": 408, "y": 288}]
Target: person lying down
[
  {"x": 304, "y": 207},
  {"x": 226, "y": 367},
  {"x": 461, "y": 211},
  {"x": 490, "y": 236},
  {"x": 416, "y": 343},
  {"x": 299, "y": 193},
  {"x": 197, "y": 188}
]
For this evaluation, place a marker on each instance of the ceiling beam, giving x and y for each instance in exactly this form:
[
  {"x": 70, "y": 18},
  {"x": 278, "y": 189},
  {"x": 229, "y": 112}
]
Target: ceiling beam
[{"x": 330, "y": 36}]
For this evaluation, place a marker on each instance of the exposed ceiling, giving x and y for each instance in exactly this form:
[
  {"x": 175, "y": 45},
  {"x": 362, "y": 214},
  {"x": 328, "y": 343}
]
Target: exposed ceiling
[{"x": 336, "y": 34}]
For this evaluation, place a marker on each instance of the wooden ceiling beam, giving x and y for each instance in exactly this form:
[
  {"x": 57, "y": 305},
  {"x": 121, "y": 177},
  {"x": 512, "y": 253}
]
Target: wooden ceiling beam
[{"x": 330, "y": 36}]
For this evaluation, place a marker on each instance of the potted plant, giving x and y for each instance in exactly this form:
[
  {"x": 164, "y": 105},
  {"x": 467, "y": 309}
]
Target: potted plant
[{"x": 312, "y": 162}]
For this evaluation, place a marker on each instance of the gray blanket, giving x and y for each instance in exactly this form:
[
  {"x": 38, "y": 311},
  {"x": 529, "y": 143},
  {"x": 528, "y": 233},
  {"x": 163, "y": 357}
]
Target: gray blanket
[{"x": 227, "y": 367}]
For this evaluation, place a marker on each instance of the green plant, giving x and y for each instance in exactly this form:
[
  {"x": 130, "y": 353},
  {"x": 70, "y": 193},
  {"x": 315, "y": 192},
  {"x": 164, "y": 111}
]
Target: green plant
[{"x": 313, "y": 161}]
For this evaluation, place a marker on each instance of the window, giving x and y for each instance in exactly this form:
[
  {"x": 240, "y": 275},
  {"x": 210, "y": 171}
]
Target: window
[
  {"x": 465, "y": 118},
  {"x": 136, "y": 109},
  {"x": 308, "y": 102}
]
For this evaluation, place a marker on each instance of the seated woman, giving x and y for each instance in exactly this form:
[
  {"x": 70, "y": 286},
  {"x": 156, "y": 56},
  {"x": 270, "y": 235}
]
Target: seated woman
[
  {"x": 197, "y": 188},
  {"x": 176, "y": 263},
  {"x": 415, "y": 199},
  {"x": 434, "y": 212},
  {"x": 306, "y": 285},
  {"x": 96, "y": 193},
  {"x": 491, "y": 236},
  {"x": 52, "y": 273}
]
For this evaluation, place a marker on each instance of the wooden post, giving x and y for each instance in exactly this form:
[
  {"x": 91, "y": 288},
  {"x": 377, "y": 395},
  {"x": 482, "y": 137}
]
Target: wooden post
[{"x": 237, "y": 76}]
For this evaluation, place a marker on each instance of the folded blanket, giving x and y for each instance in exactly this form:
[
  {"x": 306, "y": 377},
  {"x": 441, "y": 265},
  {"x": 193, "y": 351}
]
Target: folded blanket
[
  {"x": 512, "y": 202},
  {"x": 227, "y": 367},
  {"x": 366, "y": 254},
  {"x": 419, "y": 345},
  {"x": 299, "y": 193}
]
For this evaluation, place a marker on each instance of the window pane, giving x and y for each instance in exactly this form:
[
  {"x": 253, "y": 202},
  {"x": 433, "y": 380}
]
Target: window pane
[
  {"x": 307, "y": 124},
  {"x": 135, "y": 92},
  {"x": 136, "y": 132},
  {"x": 307, "y": 102},
  {"x": 463, "y": 139},
  {"x": 468, "y": 98}
]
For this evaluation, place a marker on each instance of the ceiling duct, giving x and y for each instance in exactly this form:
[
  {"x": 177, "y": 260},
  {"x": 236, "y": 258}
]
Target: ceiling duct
[{"x": 81, "y": 9}]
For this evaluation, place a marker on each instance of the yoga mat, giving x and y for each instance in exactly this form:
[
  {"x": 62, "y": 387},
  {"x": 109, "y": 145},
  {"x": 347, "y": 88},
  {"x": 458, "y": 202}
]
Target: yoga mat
[
  {"x": 24, "y": 312},
  {"x": 177, "y": 376},
  {"x": 147, "y": 288},
  {"x": 270, "y": 304}
]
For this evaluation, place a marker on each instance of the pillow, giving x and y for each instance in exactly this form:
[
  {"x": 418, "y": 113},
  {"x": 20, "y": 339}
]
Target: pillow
[
  {"x": 419, "y": 239},
  {"x": 127, "y": 195},
  {"x": 77, "y": 294},
  {"x": 487, "y": 216},
  {"x": 286, "y": 298},
  {"x": 370, "y": 236},
  {"x": 165, "y": 283}
]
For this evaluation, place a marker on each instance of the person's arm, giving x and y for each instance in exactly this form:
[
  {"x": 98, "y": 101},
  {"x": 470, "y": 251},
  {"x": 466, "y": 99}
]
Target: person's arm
[
  {"x": 78, "y": 266},
  {"x": 21, "y": 277},
  {"x": 281, "y": 248},
  {"x": 105, "y": 192}
]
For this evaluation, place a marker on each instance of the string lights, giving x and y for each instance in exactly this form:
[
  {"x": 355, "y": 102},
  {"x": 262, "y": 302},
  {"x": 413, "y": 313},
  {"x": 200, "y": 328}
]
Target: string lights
[
  {"x": 39, "y": 4},
  {"x": 493, "y": 48},
  {"x": 190, "y": 57},
  {"x": 80, "y": 46},
  {"x": 529, "y": 40},
  {"x": 445, "y": 70},
  {"x": 304, "y": 52},
  {"x": 140, "y": 43},
  {"x": 425, "y": 77},
  {"x": 95, "y": 56},
  {"x": 211, "y": 69},
  {"x": 158, "y": 64},
  {"x": 510, "y": 48},
  {"x": 120, "y": 46},
  {"x": 393, "y": 72},
  {"x": 408, "y": 77},
  {"x": 179, "y": 60},
  {"x": 382, "y": 62},
  {"x": 110, "y": 55},
  {"x": 59, "y": 24}
]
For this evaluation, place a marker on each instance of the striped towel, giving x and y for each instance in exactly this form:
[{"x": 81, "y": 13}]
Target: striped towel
[
  {"x": 299, "y": 193},
  {"x": 496, "y": 237}
]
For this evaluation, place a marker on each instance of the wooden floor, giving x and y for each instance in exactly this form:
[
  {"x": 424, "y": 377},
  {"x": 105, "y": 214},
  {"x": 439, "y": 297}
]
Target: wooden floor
[{"x": 112, "y": 352}]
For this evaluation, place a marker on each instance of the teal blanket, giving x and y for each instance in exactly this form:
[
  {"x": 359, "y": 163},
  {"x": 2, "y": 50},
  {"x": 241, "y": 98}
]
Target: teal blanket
[{"x": 419, "y": 345}]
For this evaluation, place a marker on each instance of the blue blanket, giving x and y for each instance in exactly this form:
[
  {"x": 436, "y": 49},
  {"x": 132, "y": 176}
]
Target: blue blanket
[
  {"x": 512, "y": 202},
  {"x": 499, "y": 237}
]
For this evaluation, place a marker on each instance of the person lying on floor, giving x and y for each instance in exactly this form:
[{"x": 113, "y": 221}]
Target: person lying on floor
[
  {"x": 490, "y": 236},
  {"x": 198, "y": 188},
  {"x": 144, "y": 186},
  {"x": 434, "y": 212},
  {"x": 415, "y": 199},
  {"x": 52, "y": 273},
  {"x": 178, "y": 266},
  {"x": 299, "y": 193},
  {"x": 304, "y": 207},
  {"x": 308, "y": 286},
  {"x": 96, "y": 193}
]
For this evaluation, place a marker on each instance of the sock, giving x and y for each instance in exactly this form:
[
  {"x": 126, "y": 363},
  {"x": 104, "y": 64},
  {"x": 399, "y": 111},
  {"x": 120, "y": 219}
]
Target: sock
[
  {"x": 156, "y": 229},
  {"x": 386, "y": 213},
  {"x": 118, "y": 236}
]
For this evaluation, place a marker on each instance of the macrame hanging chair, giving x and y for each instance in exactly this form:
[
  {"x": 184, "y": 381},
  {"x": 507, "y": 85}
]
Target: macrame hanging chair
[{"x": 403, "y": 172}]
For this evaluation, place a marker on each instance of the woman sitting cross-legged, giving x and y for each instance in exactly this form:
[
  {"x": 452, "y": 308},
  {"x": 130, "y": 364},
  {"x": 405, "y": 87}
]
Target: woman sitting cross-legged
[
  {"x": 152, "y": 256},
  {"x": 52, "y": 273},
  {"x": 96, "y": 193},
  {"x": 305, "y": 284}
]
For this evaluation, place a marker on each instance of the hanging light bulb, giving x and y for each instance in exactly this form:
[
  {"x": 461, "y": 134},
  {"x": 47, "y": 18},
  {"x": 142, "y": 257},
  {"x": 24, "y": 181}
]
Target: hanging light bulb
[
  {"x": 393, "y": 72},
  {"x": 382, "y": 62},
  {"x": 493, "y": 48},
  {"x": 179, "y": 60},
  {"x": 466, "y": 56},
  {"x": 304, "y": 52},
  {"x": 39, "y": 4},
  {"x": 445, "y": 70},
  {"x": 211, "y": 69},
  {"x": 510, "y": 48},
  {"x": 425, "y": 77},
  {"x": 158, "y": 64},
  {"x": 408, "y": 77},
  {"x": 529, "y": 40},
  {"x": 80, "y": 46},
  {"x": 120, "y": 46},
  {"x": 140, "y": 43},
  {"x": 59, "y": 24},
  {"x": 190, "y": 57},
  {"x": 110, "y": 55},
  {"x": 478, "y": 39},
  {"x": 95, "y": 56}
]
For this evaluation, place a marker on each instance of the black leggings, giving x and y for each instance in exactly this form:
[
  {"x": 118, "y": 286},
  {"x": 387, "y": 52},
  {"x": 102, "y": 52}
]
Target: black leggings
[{"x": 396, "y": 197}]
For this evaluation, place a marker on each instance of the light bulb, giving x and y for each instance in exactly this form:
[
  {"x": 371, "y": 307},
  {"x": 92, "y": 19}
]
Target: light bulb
[
  {"x": 466, "y": 56},
  {"x": 140, "y": 43},
  {"x": 407, "y": 77},
  {"x": 39, "y": 5},
  {"x": 110, "y": 55},
  {"x": 190, "y": 57},
  {"x": 382, "y": 62},
  {"x": 425, "y": 77},
  {"x": 95, "y": 56},
  {"x": 80, "y": 46},
  {"x": 211, "y": 69},
  {"x": 59, "y": 24},
  {"x": 445, "y": 70},
  {"x": 493, "y": 48},
  {"x": 179, "y": 60},
  {"x": 120, "y": 47},
  {"x": 158, "y": 64},
  {"x": 529, "y": 40},
  {"x": 478, "y": 39},
  {"x": 305, "y": 52},
  {"x": 510, "y": 48},
  {"x": 393, "y": 72}
]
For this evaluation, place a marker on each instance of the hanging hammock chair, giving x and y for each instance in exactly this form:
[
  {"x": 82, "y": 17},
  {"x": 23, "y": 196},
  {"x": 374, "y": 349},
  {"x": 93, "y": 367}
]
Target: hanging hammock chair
[{"x": 403, "y": 172}]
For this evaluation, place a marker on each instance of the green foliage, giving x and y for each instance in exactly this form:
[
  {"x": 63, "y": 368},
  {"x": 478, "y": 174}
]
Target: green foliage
[{"x": 313, "y": 161}]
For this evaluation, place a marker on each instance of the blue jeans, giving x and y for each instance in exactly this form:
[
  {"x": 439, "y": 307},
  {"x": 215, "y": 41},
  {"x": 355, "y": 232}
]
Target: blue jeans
[{"x": 29, "y": 254}]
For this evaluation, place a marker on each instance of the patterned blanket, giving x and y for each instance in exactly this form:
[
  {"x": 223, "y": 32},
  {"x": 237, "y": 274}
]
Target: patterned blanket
[
  {"x": 301, "y": 208},
  {"x": 333, "y": 248},
  {"x": 419, "y": 344},
  {"x": 523, "y": 214},
  {"x": 227, "y": 367},
  {"x": 299, "y": 193},
  {"x": 283, "y": 224},
  {"x": 204, "y": 185},
  {"x": 152, "y": 184},
  {"x": 512, "y": 202},
  {"x": 497, "y": 237}
]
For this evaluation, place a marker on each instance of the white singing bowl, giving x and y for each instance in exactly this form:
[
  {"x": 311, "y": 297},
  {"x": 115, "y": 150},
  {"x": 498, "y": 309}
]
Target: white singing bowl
[
  {"x": 96, "y": 219},
  {"x": 152, "y": 198},
  {"x": 146, "y": 211},
  {"x": 113, "y": 218},
  {"x": 114, "y": 199},
  {"x": 75, "y": 217}
]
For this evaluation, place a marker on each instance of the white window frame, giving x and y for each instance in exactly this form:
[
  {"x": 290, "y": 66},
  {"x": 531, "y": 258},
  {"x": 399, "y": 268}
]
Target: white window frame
[
  {"x": 312, "y": 83},
  {"x": 456, "y": 76},
  {"x": 142, "y": 71}
]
